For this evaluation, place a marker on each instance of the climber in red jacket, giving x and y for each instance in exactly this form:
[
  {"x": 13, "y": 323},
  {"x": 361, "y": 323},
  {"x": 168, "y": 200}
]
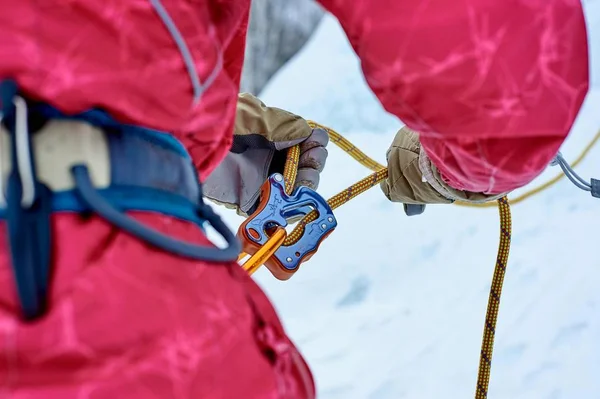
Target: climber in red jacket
[{"x": 115, "y": 112}]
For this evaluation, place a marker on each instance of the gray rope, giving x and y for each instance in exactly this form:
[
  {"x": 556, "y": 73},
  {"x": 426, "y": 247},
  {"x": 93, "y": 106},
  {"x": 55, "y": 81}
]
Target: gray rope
[
  {"x": 188, "y": 60},
  {"x": 577, "y": 180}
]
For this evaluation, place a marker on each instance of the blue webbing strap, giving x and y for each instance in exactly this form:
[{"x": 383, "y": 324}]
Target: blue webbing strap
[{"x": 28, "y": 223}]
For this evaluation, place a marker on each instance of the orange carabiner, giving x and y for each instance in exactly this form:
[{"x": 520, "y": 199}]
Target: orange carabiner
[{"x": 264, "y": 252}]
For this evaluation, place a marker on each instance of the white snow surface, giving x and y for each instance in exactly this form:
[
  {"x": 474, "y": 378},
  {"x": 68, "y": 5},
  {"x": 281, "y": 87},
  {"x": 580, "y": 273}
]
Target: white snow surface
[{"x": 393, "y": 307}]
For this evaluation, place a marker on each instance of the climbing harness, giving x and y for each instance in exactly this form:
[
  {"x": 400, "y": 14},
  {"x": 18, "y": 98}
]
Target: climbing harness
[
  {"x": 147, "y": 170},
  {"x": 266, "y": 240}
]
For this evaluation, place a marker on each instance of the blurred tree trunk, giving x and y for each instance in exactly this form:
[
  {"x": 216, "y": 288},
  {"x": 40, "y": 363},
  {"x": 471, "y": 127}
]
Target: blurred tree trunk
[{"x": 277, "y": 30}]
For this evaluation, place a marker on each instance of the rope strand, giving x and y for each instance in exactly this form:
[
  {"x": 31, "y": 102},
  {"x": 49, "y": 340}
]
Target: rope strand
[{"x": 491, "y": 317}]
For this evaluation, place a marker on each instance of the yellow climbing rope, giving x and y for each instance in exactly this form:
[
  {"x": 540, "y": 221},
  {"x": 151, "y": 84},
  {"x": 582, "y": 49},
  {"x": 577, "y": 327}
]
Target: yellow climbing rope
[
  {"x": 487, "y": 345},
  {"x": 281, "y": 238}
]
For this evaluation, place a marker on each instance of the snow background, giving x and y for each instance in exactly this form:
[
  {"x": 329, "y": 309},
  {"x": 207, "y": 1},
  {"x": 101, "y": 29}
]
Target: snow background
[{"x": 393, "y": 307}]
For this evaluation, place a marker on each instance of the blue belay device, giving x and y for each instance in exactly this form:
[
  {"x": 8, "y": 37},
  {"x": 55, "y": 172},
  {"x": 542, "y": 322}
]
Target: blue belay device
[{"x": 275, "y": 209}]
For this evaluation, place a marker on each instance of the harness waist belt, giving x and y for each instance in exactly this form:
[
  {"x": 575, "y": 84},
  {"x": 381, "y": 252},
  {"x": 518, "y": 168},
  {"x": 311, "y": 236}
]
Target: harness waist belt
[{"x": 112, "y": 158}]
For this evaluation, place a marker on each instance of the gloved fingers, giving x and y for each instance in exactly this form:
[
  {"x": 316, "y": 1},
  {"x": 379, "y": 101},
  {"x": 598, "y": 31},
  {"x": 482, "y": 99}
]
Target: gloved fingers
[
  {"x": 261, "y": 138},
  {"x": 315, "y": 158},
  {"x": 308, "y": 177},
  {"x": 318, "y": 138},
  {"x": 313, "y": 154},
  {"x": 414, "y": 179},
  {"x": 405, "y": 181}
]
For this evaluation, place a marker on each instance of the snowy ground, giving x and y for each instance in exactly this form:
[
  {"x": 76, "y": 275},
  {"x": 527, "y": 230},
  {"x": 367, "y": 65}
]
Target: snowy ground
[{"x": 393, "y": 307}]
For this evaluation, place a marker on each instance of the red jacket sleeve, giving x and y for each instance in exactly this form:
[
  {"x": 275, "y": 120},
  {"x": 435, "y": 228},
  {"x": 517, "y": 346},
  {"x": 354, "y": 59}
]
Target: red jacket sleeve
[{"x": 492, "y": 86}]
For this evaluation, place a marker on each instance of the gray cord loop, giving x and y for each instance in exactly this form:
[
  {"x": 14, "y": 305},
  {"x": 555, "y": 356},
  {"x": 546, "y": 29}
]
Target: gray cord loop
[{"x": 577, "y": 180}]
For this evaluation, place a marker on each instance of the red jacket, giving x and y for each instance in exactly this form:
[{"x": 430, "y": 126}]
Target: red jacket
[{"x": 493, "y": 86}]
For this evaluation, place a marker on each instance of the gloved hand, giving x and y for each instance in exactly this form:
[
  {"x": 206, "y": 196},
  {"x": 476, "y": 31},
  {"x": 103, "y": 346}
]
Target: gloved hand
[
  {"x": 262, "y": 136},
  {"x": 414, "y": 179}
]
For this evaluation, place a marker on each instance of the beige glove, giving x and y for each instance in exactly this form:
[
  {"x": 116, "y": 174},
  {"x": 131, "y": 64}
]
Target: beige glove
[
  {"x": 413, "y": 179},
  {"x": 262, "y": 136}
]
